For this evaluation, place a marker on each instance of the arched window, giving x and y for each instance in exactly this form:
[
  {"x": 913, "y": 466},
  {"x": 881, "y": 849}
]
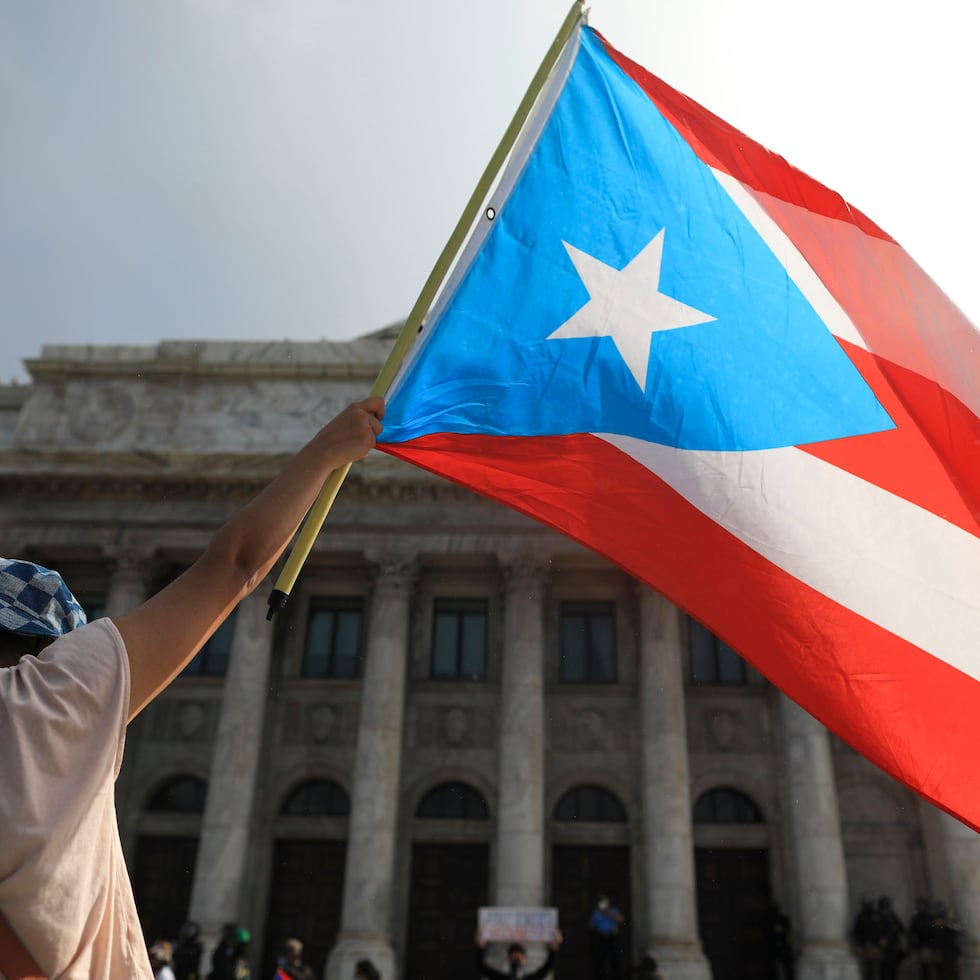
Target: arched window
[
  {"x": 317, "y": 798},
  {"x": 453, "y": 801},
  {"x": 185, "y": 794},
  {"x": 591, "y": 804},
  {"x": 725, "y": 806}
]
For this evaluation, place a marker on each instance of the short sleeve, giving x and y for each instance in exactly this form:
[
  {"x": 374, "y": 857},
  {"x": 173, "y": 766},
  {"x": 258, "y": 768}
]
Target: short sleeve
[
  {"x": 63, "y": 881},
  {"x": 62, "y": 725}
]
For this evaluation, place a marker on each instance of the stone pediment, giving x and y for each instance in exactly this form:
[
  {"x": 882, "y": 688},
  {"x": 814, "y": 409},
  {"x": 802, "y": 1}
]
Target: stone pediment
[
  {"x": 273, "y": 358},
  {"x": 184, "y": 397}
]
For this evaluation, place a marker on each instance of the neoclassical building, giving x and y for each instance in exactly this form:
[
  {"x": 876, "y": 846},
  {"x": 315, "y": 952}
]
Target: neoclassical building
[{"x": 456, "y": 708}]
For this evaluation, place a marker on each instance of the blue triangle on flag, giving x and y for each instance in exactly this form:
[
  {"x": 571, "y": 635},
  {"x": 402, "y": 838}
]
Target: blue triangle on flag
[{"x": 608, "y": 174}]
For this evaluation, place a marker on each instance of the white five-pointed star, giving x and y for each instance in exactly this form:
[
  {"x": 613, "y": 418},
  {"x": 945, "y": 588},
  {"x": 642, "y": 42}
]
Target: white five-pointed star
[{"x": 627, "y": 305}]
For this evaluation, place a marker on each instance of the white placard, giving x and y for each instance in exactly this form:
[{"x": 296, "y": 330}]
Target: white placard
[{"x": 533, "y": 925}]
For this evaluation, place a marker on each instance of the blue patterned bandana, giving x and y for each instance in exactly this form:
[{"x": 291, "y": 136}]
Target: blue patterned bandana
[{"x": 34, "y": 601}]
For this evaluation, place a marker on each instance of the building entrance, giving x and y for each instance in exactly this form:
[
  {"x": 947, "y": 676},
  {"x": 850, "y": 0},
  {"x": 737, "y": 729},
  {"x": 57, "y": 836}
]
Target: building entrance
[
  {"x": 733, "y": 900},
  {"x": 579, "y": 874},
  {"x": 163, "y": 875},
  {"x": 449, "y": 883},
  {"x": 304, "y": 900}
]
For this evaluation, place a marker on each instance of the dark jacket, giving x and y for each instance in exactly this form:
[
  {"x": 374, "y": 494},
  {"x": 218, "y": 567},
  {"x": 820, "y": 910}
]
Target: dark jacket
[{"x": 488, "y": 971}]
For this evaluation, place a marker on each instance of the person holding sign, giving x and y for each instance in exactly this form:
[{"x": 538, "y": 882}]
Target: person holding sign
[{"x": 516, "y": 961}]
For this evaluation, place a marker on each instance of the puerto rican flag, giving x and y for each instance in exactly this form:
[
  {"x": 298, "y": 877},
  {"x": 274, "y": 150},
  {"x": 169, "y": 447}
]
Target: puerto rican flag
[{"x": 669, "y": 344}]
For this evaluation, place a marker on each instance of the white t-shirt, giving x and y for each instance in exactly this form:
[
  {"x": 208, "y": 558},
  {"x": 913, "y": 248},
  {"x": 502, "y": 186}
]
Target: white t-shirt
[{"x": 64, "y": 887}]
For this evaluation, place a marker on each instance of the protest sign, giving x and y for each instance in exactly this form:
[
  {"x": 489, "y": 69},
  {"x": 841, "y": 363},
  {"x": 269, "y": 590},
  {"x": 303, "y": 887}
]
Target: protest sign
[{"x": 498, "y": 924}]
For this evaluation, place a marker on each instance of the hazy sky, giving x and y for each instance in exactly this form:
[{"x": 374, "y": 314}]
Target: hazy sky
[{"x": 263, "y": 169}]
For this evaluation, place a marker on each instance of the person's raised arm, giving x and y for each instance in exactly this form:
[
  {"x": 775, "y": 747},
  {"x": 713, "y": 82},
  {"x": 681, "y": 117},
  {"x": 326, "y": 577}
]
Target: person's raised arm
[
  {"x": 483, "y": 969},
  {"x": 549, "y": 964},
  {"x": 164, "y": 633}
]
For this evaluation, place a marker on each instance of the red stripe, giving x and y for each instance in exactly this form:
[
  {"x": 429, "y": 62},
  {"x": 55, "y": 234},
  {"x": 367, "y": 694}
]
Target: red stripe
[
  {"x": 939, "y": 473},
  {"x": 907, "y": 711},
  {"x": 722, "y": 146}
]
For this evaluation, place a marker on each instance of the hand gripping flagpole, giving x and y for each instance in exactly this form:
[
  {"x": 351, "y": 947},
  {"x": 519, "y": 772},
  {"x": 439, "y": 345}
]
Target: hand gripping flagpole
[{"x": 416, "y": 319}]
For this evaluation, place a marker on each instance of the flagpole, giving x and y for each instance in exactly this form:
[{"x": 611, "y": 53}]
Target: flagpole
[{"x": 413, "y": 325}]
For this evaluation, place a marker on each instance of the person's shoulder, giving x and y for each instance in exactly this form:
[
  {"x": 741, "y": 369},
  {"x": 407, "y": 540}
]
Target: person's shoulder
[
  {"x": 94, "y": 656},
  {"x": 98, "y": 643},
  {"x": 88, "y": 661}
]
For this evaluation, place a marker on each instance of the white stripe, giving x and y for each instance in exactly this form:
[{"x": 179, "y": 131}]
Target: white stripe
[
  {"x": 886, "y": 559},
  {"x": 797, "y": 267},
  {"x": 948, "y": 338}
]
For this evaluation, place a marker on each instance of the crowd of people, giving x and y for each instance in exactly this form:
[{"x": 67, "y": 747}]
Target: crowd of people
[
  {"x": 882, "y": 941},
  {"x": 181, "y": 960}
]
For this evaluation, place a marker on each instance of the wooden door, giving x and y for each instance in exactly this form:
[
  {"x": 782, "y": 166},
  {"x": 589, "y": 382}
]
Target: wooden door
[
  {"x": 449, "y": 883},
  {"x": 733, "y": 901},
  {"x": 163, "y": 874},
  {"x": 578, "y": 876},
  {"x": 305, "y": 897}
]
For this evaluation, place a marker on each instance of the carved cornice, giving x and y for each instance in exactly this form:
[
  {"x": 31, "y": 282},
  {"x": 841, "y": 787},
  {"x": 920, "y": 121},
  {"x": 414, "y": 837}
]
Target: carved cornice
[
  {"x": 55, "y": 370},
  {"x": 191, "y": 487},
  {"x": 110, "y": 487}
]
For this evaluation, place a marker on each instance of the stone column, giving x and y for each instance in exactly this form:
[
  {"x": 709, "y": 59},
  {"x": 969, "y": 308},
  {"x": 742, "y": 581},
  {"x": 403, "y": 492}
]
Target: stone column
[
  {"x": 365, "y": 925},
  {"x": 962, "y": 848},
  {"x": 520, "y": 819},
  {"x": 127, "y": 582},
  {"x": 222, "y": 855},
  {"x": 819, "y": 851},
  {"x": 668, "y": 845}
]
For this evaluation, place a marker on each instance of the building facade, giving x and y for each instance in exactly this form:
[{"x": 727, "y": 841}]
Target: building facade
[{"x": 456, "y": 708}]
